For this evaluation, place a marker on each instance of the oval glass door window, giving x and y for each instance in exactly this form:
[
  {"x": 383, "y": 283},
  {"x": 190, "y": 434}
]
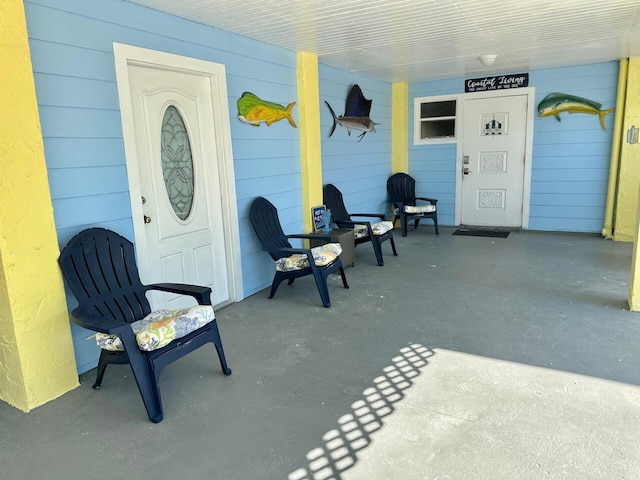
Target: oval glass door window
[{"x": 177, "y": 163}]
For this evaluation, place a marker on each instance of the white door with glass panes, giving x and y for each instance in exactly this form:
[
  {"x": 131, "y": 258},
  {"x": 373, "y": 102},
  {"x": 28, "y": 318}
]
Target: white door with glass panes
[{"x": 177, "y": 141}]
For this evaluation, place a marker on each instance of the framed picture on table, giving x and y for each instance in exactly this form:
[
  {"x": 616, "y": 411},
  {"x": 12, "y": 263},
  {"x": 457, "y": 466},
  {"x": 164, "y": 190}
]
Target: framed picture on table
[{"x": 318, "y": 216}]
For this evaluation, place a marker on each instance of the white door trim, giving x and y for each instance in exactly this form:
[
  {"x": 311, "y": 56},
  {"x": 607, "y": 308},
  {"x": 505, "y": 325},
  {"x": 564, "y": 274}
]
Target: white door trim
[
  {"x": 129, "y": 55},
  {"x": 528, "y": 152}
]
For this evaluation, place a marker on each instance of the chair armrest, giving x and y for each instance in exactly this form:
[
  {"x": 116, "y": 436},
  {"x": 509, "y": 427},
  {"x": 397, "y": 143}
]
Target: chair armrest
[
  {"x": 348, "y": 224},
  {"x": 94, "y": 322},
  {"x": 308, "y": 236},
  {"x": 372, "y": 215},
  {"x": 285, "y": 252},
  {"x": 432, "y": 201},
  {"x": 200, "y": 293}
]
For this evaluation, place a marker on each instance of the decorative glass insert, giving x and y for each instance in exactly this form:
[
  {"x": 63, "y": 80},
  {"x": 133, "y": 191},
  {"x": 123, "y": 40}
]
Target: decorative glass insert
[
  {"x": 494, "y": 123},
  {"x": 177, "y": 163}
]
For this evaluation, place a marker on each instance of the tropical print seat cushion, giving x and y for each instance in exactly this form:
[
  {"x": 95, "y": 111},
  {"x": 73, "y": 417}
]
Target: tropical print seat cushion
[
  {"x": 161, "y": 327},
  {"x": 322, "y": 255},
  {"x": 379, "y": 228},
  {"x": 419, "y": 208}
]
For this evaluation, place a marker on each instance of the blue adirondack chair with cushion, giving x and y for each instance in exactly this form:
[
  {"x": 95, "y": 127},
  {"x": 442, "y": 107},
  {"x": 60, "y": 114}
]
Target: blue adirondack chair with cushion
[
  {"x": 364, "y": 231},
  {"x": 100, "y": 268},
  {"x": 292, "y": 263},
  {"x": 402, "y": 192}
]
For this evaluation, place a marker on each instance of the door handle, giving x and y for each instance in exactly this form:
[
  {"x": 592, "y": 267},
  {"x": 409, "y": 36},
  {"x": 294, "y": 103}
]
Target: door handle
[
  {"x": 147, "y": 219},
  {"x": 466, "y": 171}
]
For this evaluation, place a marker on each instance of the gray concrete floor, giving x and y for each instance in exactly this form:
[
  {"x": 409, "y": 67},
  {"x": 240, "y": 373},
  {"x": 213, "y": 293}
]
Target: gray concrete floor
[{"x": 462, "y": 358}]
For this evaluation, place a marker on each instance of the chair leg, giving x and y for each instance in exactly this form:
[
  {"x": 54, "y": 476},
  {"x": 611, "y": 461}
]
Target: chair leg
[
  {"x": 415, "y": 223},
  {"x": 276, "y": 283},
  {"x": 435, "y": 223},
  {"x": 378, "y": 251},
  {"x": 217, "y": 341},
  {"x": 344, "y": 278},
  {"x": 403, "y": 225},
  {"x": 145, "y": 377},
  {"x": 393, "y": 246},
  {"x": 321, "y": 282},
  {"x": 108, "y": 357}
]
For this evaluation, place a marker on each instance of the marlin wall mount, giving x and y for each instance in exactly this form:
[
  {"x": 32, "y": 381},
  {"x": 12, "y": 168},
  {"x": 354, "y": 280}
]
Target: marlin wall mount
[{"x": 356, "y": 114}]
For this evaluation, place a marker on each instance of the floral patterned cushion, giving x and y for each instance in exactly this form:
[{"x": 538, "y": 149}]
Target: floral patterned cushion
[
  {"x": 417, "y": 209},
  {"x": 379, "y": 228},
  {"x": 322, "y": 255},
  {"x": 161, "y": 327}
]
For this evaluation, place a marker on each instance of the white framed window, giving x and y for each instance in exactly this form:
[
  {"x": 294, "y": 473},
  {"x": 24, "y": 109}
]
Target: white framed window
[{"x": 434, "y": 119}]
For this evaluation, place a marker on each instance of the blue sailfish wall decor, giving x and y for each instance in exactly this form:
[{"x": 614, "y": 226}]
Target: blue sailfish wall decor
[{"x": 356, "y": 114}]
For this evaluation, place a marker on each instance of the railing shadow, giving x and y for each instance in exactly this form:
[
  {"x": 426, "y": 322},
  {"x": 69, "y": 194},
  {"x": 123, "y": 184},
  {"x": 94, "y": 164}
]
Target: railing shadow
[{"x": 354, "y": 430}]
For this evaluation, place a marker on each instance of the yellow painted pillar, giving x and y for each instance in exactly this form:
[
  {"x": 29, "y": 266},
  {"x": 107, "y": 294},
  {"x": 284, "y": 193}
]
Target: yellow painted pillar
[
  {"x": 629, "y": 177},
  {"x": 36, "y": 351},
  {"x": 310, "y": 140},
  {"x": 399, "y": 127},
  {"x": 634, "y": 283},
  {"x": 614, "y": 164}
]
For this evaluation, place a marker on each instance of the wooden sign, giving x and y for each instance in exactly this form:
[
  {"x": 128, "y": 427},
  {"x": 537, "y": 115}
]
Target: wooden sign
[{"x": 500, "y": 82}]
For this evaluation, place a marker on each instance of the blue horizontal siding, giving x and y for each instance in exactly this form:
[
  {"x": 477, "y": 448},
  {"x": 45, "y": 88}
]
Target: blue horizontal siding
[
  {"x": 83, "y": 152},
  {"x": 570, "y": 163},
  {"x": 359, "y": 169}
]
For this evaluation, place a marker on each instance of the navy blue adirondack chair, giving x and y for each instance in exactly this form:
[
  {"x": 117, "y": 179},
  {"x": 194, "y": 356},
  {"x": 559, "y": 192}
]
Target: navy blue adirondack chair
[
  {"x": 100, "y": 268},
  {"x": 402, "y": 192},
  {"x": 266, "y": 223},
  {"x": 364, "y": 231}
]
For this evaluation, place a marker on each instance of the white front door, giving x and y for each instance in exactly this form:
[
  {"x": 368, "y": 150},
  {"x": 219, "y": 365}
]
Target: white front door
[
  {"x": 493, "y": 161},
  {"x": 176, "y": 131}
]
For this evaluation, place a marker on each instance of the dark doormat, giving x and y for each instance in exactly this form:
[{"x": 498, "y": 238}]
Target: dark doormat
[{"x": 481, "y": 232}]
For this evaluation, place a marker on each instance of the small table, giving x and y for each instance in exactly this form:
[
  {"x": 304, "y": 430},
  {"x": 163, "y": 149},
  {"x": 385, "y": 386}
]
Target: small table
[{"x": 343, "y": 236}]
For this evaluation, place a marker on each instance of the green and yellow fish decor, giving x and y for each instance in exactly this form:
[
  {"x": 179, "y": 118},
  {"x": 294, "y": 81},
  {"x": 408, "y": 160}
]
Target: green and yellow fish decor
[
  {"x": 253, "y": 110},
  {"x": 555, "y": 102}
]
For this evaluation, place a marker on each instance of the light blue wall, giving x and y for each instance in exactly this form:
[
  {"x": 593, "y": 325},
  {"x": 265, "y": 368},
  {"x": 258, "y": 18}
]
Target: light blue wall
[
  {"x": 72, "y": 55},
  {"x": 570, "y": 165},
  {"x": 358, "y": 168}
]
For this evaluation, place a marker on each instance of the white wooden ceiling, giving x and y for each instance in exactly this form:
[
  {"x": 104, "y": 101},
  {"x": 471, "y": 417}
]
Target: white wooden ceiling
[{"x": 417, "y": 40}]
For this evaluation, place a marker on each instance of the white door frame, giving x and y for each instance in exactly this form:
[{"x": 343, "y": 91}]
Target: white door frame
[
  {"x": 528, "y": 150},
  {"x": 129, "y": 55}
]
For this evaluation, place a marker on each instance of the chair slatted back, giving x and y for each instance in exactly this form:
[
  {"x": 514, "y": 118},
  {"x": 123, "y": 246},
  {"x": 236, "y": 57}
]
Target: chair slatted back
[
  {"x": 266, "y": 223},
  {"x": 402, "y": 189},
  {"x": 334, "y": 201},
  {"x": 100, "y": 268}
]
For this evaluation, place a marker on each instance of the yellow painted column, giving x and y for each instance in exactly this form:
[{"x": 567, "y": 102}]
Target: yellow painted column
[
  {"x": 614, "y": 164},
  {"x": 399, "y": 127},
  {"x": 36, "y": 351},
  {"x": 634, "y": 283},
  {"x": 310, "y": 140},
  {"x": 629, "y": 176}
]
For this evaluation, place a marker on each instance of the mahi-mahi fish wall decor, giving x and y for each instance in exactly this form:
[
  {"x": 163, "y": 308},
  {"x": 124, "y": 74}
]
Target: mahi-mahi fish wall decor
[
  {"x": 556, "y": 102},
  {"x": 356, "y": 114},
  {"x": 253, "y": 110}
]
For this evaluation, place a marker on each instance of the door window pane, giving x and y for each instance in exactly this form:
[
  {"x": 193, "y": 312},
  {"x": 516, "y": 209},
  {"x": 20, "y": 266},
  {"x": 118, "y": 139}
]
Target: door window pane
[{"x": 177, "y": 163}]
